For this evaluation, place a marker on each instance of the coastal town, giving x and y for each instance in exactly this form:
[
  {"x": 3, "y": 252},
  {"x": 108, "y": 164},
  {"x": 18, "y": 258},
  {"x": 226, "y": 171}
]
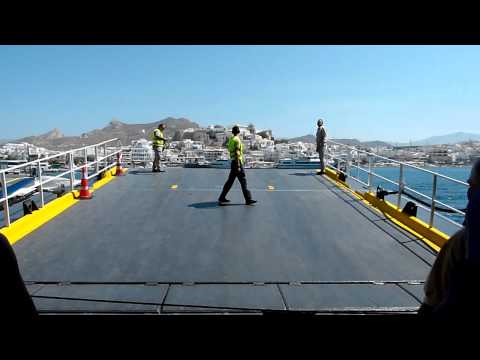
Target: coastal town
[{"x": 206, "y": 147}]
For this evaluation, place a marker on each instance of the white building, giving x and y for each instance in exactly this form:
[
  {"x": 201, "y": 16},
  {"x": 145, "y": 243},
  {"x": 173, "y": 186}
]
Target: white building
[
  {"x": 440, "y": 155},
  {"x": 197, "y": 145},
  {"x": 142, "y": 151},
  {"x": 215, "y": 154}
]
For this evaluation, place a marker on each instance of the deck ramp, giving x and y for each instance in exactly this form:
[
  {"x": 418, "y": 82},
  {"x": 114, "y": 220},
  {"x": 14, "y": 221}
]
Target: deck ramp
[{"x": 317, "y": 241}]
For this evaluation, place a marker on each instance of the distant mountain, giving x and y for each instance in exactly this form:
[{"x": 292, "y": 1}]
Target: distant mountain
[
  {"x": 4, "y": 141},
  {"x": 115, "y": 129},
  {"x": 51, "y": 135},
  {"x": 376, "y": 143},
  {"x": 453, "y": 138},
  {"x": 306, "y": 139},
  {"x": 352, "y": 142}
]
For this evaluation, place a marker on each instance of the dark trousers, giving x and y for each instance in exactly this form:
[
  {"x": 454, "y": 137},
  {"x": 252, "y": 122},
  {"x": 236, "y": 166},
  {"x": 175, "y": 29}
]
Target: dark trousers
[
  {"x": 156, "y": 160},
  {"x": 234, "y": 173}
]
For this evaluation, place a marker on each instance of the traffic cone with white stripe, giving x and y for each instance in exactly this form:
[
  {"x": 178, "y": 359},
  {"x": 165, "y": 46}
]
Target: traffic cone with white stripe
[
  {"x": 85, "y": 192},
  {"x": 119, "y": 171}
]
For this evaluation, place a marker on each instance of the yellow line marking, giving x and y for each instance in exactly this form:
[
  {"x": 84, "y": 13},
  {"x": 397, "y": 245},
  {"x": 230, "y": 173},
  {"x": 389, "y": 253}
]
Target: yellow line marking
[
  {"x": 270, "y": 187},
  {"x": 174, "y": 186}
]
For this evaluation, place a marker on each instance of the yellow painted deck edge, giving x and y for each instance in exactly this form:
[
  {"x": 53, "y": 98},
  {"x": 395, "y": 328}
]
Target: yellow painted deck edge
[
  {"x": 29, "y": 223},
  {"x": 433, "y": 237}
]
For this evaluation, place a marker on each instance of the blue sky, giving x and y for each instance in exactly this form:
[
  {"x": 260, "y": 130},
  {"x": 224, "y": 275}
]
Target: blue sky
[{"x": 392, "y": 93}]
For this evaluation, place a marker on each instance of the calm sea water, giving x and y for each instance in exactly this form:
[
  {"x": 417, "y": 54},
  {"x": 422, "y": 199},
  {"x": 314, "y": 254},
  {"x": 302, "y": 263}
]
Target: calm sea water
[{"x": 448, "y": 192}]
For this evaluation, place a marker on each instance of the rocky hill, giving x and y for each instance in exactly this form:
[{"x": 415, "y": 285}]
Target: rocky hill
[
  {"x": 55, "y": 140},
  {"x": 352, "y": 142},
  {"x": 306, "y": 139},
  {"x": 454, "y": 138}
]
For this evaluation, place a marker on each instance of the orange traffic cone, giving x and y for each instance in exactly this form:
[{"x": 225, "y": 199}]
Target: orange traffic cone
[
  {"x": 119, "y": 171},
  {"x": 85, "y": 193}
]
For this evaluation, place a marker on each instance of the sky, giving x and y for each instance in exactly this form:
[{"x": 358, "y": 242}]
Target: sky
[{"x": 390, "y": 93}]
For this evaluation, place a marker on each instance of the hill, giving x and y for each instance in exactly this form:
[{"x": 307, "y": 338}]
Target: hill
[
  {"x": 55, "y": 140},
  {"x": 453, "y": 138},
  {"x": 352, "y": 142},
  {"x": 306, "y": 139}
]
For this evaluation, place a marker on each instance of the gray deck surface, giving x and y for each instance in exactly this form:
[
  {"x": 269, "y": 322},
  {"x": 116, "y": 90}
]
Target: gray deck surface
[{"x": 138, "y": 229}]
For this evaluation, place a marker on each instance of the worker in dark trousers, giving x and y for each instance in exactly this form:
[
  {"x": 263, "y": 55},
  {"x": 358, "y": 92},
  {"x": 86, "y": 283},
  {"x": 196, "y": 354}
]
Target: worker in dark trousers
[
  {"x": 15, "y": 301},
  {"x": 235, "y": 149},
  {"x": 321, "y": 137},
  {"x": 158, "y": 143}
]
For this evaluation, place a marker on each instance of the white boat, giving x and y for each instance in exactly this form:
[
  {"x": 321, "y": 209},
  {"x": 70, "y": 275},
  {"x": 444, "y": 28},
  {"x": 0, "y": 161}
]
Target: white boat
[
  {"x": 262, "y": 164},
  {"x": 220, "y": 164},
  {"x": 308, "y": 162},
  {"x": 29, "y": 186}
]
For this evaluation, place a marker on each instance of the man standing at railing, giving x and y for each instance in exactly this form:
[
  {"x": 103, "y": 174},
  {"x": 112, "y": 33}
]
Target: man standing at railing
[
  {"x": 321, "y": 136},
  {"x": 158, "y": 142}
]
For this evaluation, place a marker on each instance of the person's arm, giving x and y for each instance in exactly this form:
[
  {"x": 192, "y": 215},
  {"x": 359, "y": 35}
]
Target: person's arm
[{"x": 238, "y": 153}]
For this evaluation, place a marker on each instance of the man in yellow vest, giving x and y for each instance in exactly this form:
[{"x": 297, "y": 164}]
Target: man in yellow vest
[
  {"x": 235, "y": 148},
  {"x": 158, "y": 142}
]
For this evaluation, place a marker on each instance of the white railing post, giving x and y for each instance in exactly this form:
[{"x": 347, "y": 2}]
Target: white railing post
[
  {"x": 40, "y": 187},
  {"x": 96, "y": 159},
  {"x": 434, "y": 194},
  {"x": 72, "y": 174},
  {"x": 349, "y": 160},
  {"x": 370, "y": 177},
  {"x": 358, "y": 165},
  {"x": 6, "y": 210},
  {"x": 105, "y": 164},
  {"x": 400, "y": 187}
]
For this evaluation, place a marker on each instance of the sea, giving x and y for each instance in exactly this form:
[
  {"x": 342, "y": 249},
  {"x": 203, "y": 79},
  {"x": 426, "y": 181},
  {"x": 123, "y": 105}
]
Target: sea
[{"x": 448, "y": 192}]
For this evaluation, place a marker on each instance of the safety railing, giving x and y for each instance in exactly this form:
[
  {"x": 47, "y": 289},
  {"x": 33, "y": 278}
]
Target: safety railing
[
  {"x": 352, "y": 160},
  {"x": 103, "y": 156}
]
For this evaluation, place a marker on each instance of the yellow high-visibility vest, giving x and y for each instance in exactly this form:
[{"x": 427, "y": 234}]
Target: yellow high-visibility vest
[
  {"x": 157, "y": 138},
  {"x": 235, "y": 148}
]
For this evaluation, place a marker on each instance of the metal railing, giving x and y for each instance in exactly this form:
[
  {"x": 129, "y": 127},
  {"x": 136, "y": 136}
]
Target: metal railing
[
  {"x": 352, "y": 160},
  {"x": 104, "y": 158}
]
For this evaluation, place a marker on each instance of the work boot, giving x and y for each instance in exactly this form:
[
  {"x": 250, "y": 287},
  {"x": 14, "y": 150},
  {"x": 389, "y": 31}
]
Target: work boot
[
  {"x": 250, "y": 202},
  {"x": 223, "y": 201}
]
